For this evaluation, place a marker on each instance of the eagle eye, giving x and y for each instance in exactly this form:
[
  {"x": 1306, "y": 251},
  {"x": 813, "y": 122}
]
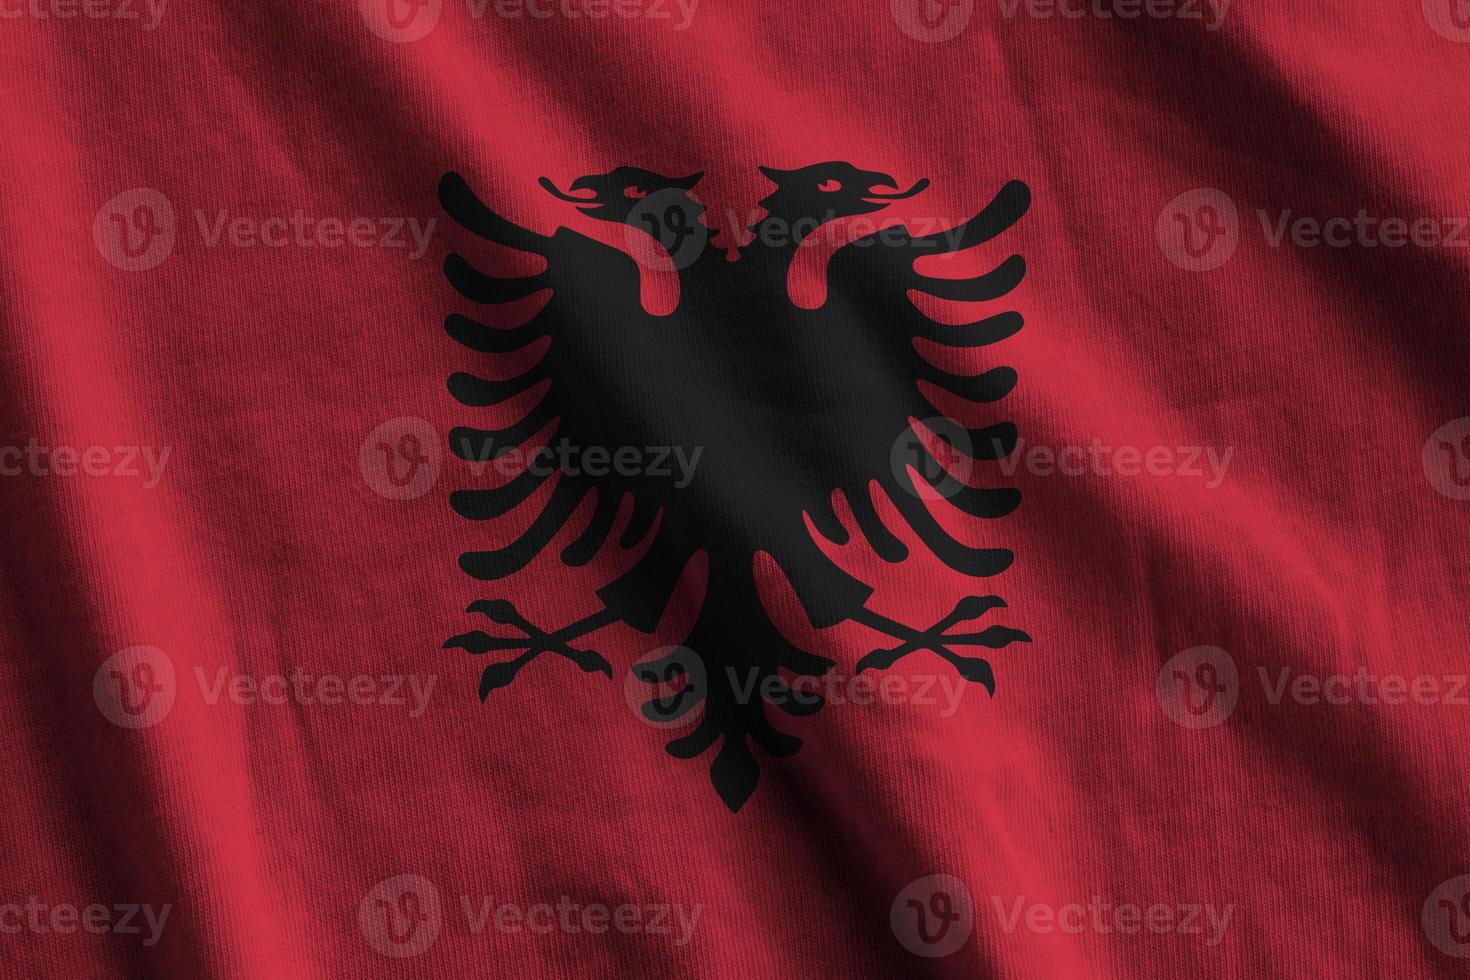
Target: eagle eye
[
  {"x": 830, "y": 186},
  {"x": 634, "y": 192}
]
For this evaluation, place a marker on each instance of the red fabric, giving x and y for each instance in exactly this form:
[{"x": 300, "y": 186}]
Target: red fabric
[{"x": 1333, "y": 542}]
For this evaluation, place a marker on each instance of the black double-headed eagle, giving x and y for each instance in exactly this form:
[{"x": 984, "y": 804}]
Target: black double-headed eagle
[{"x": 800, "y": 420}]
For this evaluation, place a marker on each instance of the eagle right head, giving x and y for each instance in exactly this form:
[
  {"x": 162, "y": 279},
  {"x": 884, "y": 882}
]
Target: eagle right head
[{"x": 827, "y": 191}]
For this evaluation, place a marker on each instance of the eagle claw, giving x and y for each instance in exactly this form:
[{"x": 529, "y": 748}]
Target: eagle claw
[
  {"x": 534, "y": 640},
  {"x": 938, "y": 639}
]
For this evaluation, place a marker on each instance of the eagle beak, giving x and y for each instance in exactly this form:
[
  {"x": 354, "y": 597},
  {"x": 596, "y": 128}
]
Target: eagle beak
[
  {"x": 554, "y": 191},
  {"x": 888, "y": 181}
]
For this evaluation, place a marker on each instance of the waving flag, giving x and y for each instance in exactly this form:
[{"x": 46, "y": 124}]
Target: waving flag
[{"x": 563, "y": 488}]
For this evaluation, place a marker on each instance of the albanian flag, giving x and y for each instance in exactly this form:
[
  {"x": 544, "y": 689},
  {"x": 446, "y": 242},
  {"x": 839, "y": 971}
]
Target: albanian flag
[{"x": 559, "y": 488}]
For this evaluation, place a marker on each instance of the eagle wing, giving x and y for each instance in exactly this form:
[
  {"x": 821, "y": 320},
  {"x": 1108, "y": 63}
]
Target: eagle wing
[
  {"x": 949, "y": 383},
  {"x": 589, "y": 283}
]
